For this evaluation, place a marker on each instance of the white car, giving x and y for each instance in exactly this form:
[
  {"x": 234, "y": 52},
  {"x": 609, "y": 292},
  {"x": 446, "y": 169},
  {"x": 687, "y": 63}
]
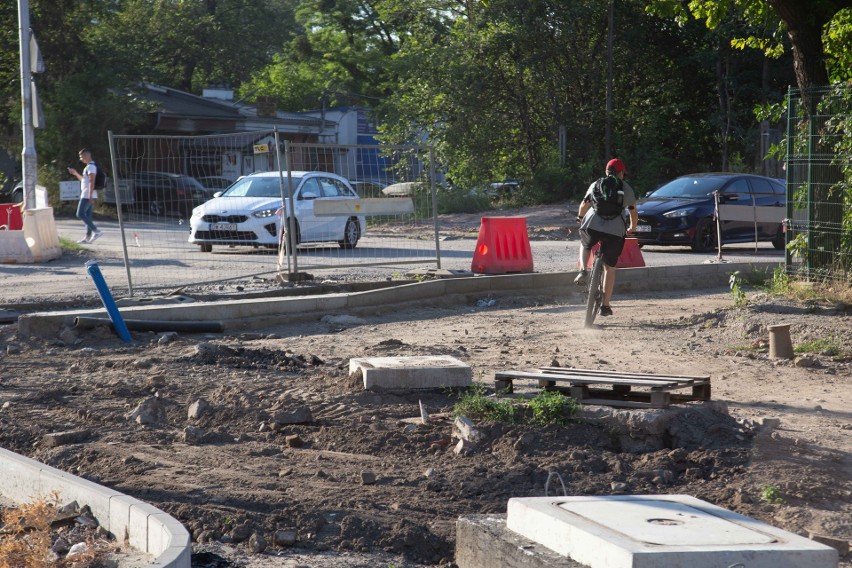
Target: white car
[{"x": 251, "y": 211}]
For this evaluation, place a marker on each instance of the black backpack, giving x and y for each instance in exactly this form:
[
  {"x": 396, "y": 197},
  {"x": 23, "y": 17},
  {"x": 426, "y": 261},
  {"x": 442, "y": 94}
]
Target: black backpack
[
  {"x": 608, "y": 197},
  {"x": 100, "y": 177}
]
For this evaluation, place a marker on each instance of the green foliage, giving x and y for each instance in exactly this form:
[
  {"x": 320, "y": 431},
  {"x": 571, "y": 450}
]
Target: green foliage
[
  {"x": 737, "y": 292},
  {"x": 831, "y": 346},
  {"x": 459, "y": 200},
  {"x": 474, "y": 402},
  {"x": 771, "y": 494},
  {"x": 551, "y": 407}
]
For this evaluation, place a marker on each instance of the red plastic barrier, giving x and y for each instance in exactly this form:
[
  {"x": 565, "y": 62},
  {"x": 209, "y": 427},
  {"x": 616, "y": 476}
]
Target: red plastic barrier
[
  {"x": 503, "y": 246},
  {"x": 10, "y": 217},
  {"x": 631, "y": 255}
]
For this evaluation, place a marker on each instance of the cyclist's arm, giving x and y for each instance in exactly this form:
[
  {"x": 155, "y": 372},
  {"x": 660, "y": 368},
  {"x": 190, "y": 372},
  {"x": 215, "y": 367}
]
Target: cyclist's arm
[
  {"x": 634, "y": 219},
  {"x": 584, "y": 208}
]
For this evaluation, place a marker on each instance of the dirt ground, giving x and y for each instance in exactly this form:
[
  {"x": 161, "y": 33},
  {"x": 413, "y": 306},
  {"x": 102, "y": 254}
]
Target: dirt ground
[{"x": 356, "y": 483}]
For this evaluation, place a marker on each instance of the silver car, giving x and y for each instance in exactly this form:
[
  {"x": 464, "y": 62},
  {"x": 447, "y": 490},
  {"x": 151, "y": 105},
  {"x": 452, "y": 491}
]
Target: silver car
[{"x": 251, "y": 212}]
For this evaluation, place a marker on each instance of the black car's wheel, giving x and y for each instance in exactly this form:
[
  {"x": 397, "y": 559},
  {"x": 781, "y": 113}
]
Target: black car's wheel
[
  {"x": 351, "y": 234},
  {"x": 705, "y": 236},
  {"x": 18, "y": 196},
  {"x": 156, "y": 207},
  {"x": 206, "y": 247},
  {"x": 779, "y": 242}
]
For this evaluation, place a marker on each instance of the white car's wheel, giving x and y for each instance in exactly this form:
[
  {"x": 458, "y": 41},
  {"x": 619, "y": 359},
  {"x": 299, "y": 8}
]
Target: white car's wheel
[{"x": 351, "y": 234}]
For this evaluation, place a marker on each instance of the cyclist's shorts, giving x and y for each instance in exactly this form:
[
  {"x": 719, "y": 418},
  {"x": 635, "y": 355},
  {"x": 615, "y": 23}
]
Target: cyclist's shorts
[{"x": 611, "y": 245}]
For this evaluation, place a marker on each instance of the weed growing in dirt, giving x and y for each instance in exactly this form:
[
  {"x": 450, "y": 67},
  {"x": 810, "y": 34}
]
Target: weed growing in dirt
[
  {"x": 547, "y": 407},
  {"x": 830, "y": 346},
  {"x": 550, "y": 407},
  {"x": 475, "y": 403},
  {"x": 771, "y": 494},
  {"x": 26, "y": 538},
  {"x": 737, "y": 291},
  {"x": 782, "y": 284},
  {"x": 68, "y": 245}
]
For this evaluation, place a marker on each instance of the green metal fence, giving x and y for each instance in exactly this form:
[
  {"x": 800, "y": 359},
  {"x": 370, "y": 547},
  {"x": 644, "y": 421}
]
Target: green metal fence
[{"x": 819, "y": 184}]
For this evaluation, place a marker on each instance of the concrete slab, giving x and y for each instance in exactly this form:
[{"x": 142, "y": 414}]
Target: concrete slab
[
  {"x": 659, "y": 531},
  {"x": 423, "y": 372}
]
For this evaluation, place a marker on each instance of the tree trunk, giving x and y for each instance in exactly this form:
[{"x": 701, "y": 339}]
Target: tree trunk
[{"x": 805, "y": 21}]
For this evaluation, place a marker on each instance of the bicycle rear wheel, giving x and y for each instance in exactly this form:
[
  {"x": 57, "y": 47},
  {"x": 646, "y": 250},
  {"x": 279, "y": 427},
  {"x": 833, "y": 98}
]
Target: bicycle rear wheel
[{"x": 594, "y": 298}]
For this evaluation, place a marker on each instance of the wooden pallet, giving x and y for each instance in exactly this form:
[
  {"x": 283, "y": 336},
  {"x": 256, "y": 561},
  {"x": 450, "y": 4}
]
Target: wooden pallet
[{"x": 658, "y": 391}]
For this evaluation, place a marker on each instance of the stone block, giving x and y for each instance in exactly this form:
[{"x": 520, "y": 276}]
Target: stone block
[{"x": 422, "y": 372}]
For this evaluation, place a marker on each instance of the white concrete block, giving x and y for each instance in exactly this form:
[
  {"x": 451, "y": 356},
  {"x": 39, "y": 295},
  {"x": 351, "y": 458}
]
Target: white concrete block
[
  {"x": 72, "y": 488},
  {"x": 19, "y": 479},
  {"x": 659, "y": 531},
  {"x": 422, "y": 372},
  {"x": 139, "y": 514},
  {"x": 119, "y": 515}
]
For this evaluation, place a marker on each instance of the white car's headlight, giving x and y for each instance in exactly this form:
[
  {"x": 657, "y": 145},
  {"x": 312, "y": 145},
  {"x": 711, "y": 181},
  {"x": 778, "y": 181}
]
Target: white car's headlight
[
  {"x": 680, "y": 213},
  {"x": 197, "y": 212},
  {"x": 265, "y": 213}
]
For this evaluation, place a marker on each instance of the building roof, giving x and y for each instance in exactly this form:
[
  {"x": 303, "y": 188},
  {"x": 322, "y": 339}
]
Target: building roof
[{"x": 179, "y": 110}]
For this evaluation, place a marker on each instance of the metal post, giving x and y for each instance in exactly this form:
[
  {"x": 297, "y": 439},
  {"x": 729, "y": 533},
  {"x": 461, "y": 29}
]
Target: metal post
[
  {"x": 29, "y": 157},
  {"x": 118, "y": 205},
  {"x": 610, "y": 31},
  {"x": 718, "y": 228},
  {"x": 290, "y": 241},
  {"x": 788, "y": 255},
  {"x": 434, "y": 205}
]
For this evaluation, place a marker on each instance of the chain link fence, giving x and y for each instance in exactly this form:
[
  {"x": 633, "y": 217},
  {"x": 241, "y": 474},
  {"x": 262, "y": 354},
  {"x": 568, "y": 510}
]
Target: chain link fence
[
  {"x": 819, "y": 184},
  {"x": 196, "y": 210}
]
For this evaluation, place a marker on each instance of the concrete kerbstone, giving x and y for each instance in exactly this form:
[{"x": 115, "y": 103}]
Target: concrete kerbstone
[
  {"x": 147, "y": 528},
  {"x": 253, "y": 313}
]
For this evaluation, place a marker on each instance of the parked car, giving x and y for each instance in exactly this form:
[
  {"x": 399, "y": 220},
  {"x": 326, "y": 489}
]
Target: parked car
[
  {"x": 681, "y": 212},
  {"x": 251, "y": 211},
  {"x": 12, "y": 191},
  {"x": 160, "y": 193},
  {"x": 215, "y": 183}
]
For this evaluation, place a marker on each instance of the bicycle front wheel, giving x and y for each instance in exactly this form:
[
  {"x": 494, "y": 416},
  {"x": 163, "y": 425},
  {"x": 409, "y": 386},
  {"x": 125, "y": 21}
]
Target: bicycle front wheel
[{"x": 594, "y": 299}]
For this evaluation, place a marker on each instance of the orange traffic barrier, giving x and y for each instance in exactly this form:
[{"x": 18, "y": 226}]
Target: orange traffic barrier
[
  {"x": 10, "y": 217},
  {"x": 503, "y": 246},
  {"x": 631, "y": 255}
]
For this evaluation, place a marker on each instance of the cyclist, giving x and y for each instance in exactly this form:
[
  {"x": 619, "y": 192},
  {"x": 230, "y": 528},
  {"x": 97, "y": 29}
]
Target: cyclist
[{"x": 610, "y": 232}]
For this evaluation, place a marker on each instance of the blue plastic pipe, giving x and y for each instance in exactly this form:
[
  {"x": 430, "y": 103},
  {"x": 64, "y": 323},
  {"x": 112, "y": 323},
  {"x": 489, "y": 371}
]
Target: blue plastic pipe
[{"x": 103, "y": 291}]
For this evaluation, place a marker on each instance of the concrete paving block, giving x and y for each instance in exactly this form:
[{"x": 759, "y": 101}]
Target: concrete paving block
[
  {"x": 119, "y": 515},
  {"x": 73, "y": 488},
  {"x": 659, "y": 531},
  {"x": 483, "y": 541},
  {"x": 19, "y": 479},
  {"x": 173, "y": 557},
  {"x": 421, "y": 372},
  {"x": 139, "y": 525}
]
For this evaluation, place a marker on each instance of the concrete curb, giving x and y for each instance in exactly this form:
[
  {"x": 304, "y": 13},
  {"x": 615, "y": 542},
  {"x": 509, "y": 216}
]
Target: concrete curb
[
  {"x": 243, "y": 314},
  {"x": 144, "y": 527}
]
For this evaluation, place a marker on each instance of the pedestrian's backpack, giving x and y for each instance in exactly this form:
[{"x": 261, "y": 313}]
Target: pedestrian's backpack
[
  {"x": 100, "y": 177},
  {"x": 608, "y": 197}
]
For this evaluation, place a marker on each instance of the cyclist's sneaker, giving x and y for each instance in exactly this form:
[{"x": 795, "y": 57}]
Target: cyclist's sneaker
[
  {"x": 606, "y": 310},
  {"x": 582, "y": 279}
]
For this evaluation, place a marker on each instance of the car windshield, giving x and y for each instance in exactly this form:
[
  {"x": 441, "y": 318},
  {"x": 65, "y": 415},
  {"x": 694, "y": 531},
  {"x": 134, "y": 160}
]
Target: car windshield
[
  {"x": 692, "y": 187},
  {"x": 257, "y": 187}
]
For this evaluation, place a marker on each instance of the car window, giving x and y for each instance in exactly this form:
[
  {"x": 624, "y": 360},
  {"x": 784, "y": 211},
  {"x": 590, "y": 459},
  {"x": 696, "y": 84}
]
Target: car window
[
  {"x": 310, "y": 186},
  {"x": 342, "y": 189},
  {"x": 695, "y": 187},
  {"x": 738, "y": 191},
  {"x": 761, "y": 187},
  {"x": 778, "y": 188},
  {"x": 256, "y": 187},
  {"x": 329, "y": 189}
]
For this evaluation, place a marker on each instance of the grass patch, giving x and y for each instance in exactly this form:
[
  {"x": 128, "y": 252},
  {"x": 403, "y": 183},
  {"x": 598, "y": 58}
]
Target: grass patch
[
  {"x": 68, "y": 245},
  {"x": 547, "y": 407},
  {"x": 831, "y": 346}
]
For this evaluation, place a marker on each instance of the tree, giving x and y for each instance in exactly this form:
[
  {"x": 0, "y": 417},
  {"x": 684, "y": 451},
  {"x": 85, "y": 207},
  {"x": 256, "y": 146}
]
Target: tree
[{"x": 804, "y": 21}]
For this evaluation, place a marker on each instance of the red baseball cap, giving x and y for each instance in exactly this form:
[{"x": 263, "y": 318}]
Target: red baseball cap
[{"x": 616, "y": 165}]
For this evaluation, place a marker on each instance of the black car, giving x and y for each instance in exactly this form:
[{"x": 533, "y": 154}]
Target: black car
[
  {"x": 682, "y": 212},
  {"x": 12, "y": 191},
  {"x": 159, "y": 193}
]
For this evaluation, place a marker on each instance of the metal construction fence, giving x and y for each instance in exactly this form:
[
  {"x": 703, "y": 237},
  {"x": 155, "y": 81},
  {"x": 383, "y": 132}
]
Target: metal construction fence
[
  {"x": 819, "y": 184},
  {"x": 177, "y": 231}
]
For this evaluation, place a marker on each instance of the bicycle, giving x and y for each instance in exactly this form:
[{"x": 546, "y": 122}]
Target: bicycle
[{"x": 595, "y": 294}]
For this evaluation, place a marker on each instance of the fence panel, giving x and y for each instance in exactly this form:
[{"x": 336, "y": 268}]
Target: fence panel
[
  {"x": 157, "y": 182},
  {"x": 819, "y": 184}
]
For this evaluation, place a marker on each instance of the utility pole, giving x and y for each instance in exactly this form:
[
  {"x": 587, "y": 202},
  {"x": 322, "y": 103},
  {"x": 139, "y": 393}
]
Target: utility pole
[
  {"x": 609, "y": 33},
  {"x": 29, "y": 157}
]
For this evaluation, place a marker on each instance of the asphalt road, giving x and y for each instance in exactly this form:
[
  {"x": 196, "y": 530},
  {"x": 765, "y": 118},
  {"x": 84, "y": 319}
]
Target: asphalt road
[{"x": 372, "y": 259}]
